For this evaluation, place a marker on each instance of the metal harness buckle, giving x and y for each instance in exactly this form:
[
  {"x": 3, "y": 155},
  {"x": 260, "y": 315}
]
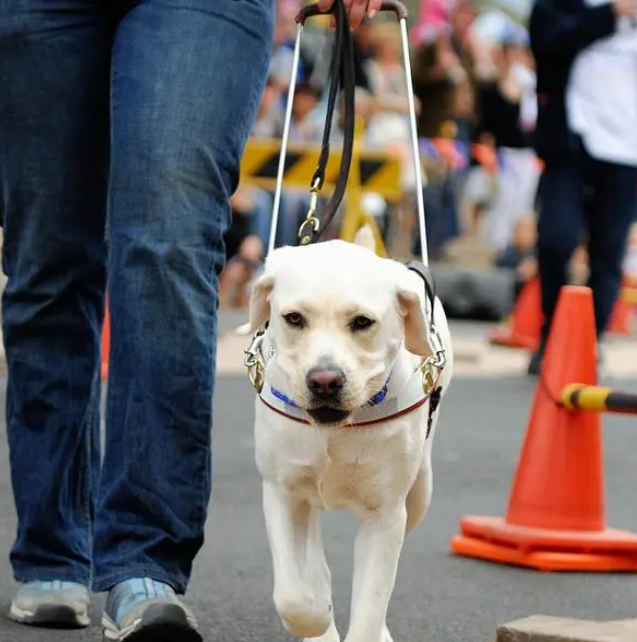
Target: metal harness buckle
[
  {"x": 432, "y": 367},
  {"x": 254, "y": 360}
]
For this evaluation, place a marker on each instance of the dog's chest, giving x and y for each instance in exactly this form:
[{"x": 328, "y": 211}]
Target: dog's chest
[
  {"x": 345, "y": 471},
  {"x": 330, "y": 485}
]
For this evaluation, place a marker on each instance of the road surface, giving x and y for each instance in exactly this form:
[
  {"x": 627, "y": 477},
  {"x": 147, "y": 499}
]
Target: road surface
[{"x": 438, "y": 597}]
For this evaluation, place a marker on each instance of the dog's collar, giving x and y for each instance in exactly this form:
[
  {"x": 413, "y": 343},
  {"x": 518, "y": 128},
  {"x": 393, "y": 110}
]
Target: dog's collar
[
  {"x": 391, "y": 402},
  {"x": 379, "y": 397},
  {"x": 397, "y": 398}
]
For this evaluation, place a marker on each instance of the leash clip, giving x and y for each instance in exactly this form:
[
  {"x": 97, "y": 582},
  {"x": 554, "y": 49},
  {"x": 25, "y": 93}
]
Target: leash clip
[
  {"x": 311, "y": 220},
  {"x": 254, "y": 362},
  {"x": 432, "y": 367}
]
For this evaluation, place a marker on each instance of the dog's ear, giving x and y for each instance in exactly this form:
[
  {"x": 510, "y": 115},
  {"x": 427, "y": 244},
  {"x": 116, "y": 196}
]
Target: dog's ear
[
  {"x": 259, "y": 307},
  {"x": 416, "y": 327},
  {"x": 365, "y": 238}
]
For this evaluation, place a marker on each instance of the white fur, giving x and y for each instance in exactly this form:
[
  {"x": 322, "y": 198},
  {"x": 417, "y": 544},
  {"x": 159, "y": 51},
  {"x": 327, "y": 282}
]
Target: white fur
[{"x": 381, "y": 472}]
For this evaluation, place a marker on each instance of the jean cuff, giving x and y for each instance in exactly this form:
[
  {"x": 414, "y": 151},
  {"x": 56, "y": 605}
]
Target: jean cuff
[
  {"x": 108, "y": 581},
  {"x": 50, "y": 575}
]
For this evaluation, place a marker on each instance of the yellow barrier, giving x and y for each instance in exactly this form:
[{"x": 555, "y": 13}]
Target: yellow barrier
[
  {"x": 371, "y": 172},
  {"x": 578, "y": 396}
]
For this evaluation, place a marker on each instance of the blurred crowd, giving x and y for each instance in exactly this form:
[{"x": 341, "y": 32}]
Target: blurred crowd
[{"x": 474, "y": 90}]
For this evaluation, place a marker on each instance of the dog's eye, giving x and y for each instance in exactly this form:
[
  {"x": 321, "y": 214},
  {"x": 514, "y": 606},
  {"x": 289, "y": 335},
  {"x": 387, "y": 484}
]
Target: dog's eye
[
  {"x": 360, "y": 323},
  {"x": 295, "y": 319}
]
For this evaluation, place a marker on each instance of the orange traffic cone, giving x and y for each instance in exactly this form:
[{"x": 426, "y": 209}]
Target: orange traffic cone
[
  {"x": 621, "y": 321},
  {"x": 523, "y": 328},
  {"x": 555, "y": 519},
  {"x": 106, "y": 344},
  {"x": 623, "y": 317}
]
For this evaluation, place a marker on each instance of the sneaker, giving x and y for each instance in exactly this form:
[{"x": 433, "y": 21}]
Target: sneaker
[
  {"x": 144, "y": 610},
  {"x": 52, "y": 604}
]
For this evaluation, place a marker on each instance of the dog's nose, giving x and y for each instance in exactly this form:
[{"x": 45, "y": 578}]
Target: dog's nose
[{"x": 325, "y": 382}]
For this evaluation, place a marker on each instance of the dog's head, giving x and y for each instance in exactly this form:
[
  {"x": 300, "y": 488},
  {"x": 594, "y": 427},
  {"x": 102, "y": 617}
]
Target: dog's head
[{"x": 338, "y": 315}]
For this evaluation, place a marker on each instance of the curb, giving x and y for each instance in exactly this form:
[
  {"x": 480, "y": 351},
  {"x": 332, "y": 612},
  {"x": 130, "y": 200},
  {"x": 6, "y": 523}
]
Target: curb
[{"x": 545, "y": 628}]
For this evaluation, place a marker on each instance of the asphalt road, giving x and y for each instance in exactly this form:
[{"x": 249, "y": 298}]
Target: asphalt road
[{"x": 438, "y": 598}]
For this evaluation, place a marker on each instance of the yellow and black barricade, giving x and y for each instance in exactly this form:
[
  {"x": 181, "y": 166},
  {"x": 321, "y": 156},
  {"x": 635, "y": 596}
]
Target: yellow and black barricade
[
  {"x": 371, "y": 172},
  {"x": 379, "y": 173},
  {"x": 578, "y": 396}
]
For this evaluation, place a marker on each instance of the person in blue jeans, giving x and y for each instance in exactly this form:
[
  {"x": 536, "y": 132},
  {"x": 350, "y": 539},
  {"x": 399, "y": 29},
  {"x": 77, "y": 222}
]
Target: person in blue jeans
[{"x": 122, "y": 126}]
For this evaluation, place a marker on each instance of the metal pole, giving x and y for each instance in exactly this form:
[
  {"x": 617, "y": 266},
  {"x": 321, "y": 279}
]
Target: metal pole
[
  {"x": 415, "y": 149},
  {"x": 284, "y": 140}
]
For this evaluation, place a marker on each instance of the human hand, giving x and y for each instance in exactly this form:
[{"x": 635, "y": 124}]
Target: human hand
[
  {"x": 528, "y": 268},
  {"x": 625, "y": 8},
  {"x": 510, "y": 88},
  {"x": 242, "y": 200},
  {"x": 251, "y": 249},
  {"x": 445, "y": 55},
  {"x": 356, "y": 9}
]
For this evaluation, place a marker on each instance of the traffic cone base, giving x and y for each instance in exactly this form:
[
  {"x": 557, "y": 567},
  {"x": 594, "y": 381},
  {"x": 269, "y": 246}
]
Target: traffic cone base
[
  {"x": 491, "y": 538},
  {"x": 504, "y": 335},
  {"x": 621, "y": 320},
  {"x": 522, "y": 328}
]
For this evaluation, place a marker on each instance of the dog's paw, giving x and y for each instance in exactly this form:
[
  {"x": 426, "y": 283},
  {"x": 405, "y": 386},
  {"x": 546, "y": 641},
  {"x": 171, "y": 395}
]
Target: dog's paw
[
  {"x": 304, "y": 617},
  {"x": 385, "y": 636},
  {"x": 331, "y": 635}
]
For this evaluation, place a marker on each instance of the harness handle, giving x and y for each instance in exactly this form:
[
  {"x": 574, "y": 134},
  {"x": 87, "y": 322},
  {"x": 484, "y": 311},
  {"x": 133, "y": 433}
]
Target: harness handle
[
  {"x": 312, "y": 10},
  {"x": 342, "y": 73},
  {"x": 343, "y": 77}
]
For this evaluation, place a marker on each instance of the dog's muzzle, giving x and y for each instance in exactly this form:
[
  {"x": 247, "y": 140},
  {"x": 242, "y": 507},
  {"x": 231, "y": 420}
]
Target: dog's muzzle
[
  {"x": 328, "y": 416},
  {"x": 325, "y": 385}
]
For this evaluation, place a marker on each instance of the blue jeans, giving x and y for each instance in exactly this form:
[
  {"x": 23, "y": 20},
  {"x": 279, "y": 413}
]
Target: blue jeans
[{"x": 135, "y": 112}]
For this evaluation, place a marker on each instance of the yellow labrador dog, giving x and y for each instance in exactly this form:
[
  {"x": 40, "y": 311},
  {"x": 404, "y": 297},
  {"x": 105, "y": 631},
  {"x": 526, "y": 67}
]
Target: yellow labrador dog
[{"x": 353, "y": 372}]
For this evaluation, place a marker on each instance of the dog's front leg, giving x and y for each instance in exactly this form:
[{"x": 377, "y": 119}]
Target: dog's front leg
[
  {"x": 379, "y": 541},
  {"x": 301, "y": 597},
  {"x": 318, "y": 575}
]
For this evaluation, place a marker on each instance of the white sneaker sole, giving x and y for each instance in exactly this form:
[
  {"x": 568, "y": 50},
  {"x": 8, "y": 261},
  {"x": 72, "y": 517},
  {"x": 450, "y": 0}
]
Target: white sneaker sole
[
  {"x": 51, "y": 616},
  {"x": 160, "y": 623}
]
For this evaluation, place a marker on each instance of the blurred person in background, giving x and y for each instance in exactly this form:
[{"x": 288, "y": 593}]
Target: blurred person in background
[
  {"x": 271, "y": 114},
  {"x": 304, "y": 128},
  {"x": 437, "y": 73},
  {"x": 280, "y": 70},
  {"x": 269, "y": 125},
  {"x": 466, "y": 46},
  {"x": 244, "y": 250},
  {"x": 438, "y": 77},
  {"x": 520, "y": 253},
  {"x": 586, "y": 135},
  {"x": 506, "y": 123},
  {"x": 629, "y": 265},
  {"x": 387, "y": 122},
  {"x": 445, "y": 55},
  {"x": 319, "y": 75}
]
